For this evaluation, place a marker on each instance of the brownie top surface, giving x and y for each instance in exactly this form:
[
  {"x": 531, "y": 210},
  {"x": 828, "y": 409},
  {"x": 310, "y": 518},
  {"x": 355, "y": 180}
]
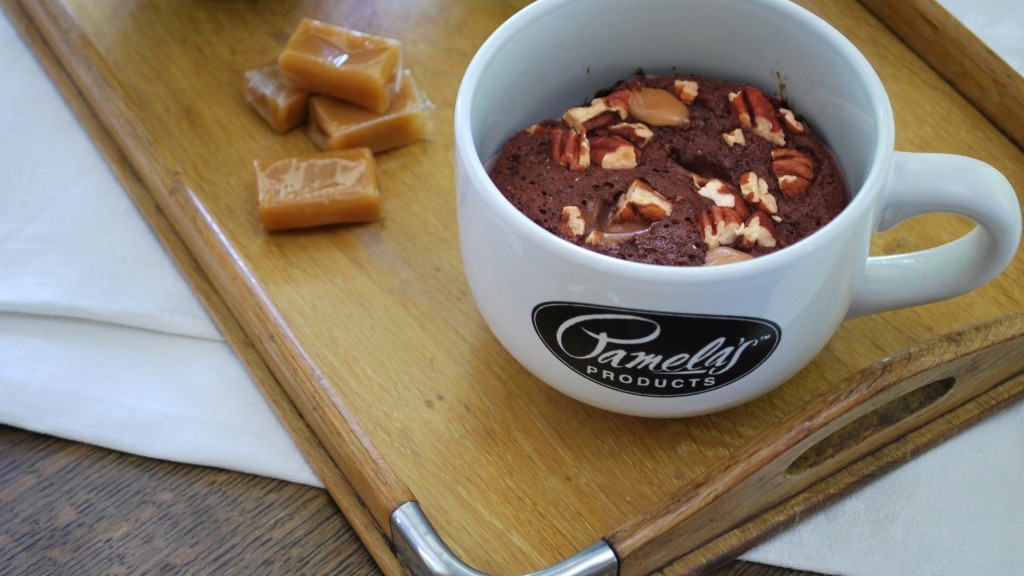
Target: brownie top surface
[{"x": 664, "y": 198}]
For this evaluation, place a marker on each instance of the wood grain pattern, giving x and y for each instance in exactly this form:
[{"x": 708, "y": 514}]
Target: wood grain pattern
[
  {"x": 966, "y": 62},
  {"x": 68, "y": 508},
  {"x": 370, "y": 329}
]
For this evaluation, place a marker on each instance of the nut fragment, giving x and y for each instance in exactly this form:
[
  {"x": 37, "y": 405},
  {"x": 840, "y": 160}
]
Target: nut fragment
[
  {"x": 757, "y": 230},
  {"x": 641, "y": 201},
  {"x": 657, "y": 107},
  {"x": 572, "y": 221},
  {"x": 718, "y": 192},
  {"x": 599, "y": 121},
  {"x": 794, "y": 170},
  {"x": 725, "y": 196},
  {"x": 724, "y": 255},
  {"x": 790, "y": 122},
  {"x": 570, "y": 149},
  {"x": 766, "y": 119},
  {"x": 614, "y": 104},
  {"x": 686, "y": 90},
  {"x": 739, "y": 106},
  {"x": 613, "y": 153},
  {"x": 755, "y": 111},
  {"x": 755, "y": 191},
  {"x": 735, "y": 137},
  {"x": 618, "y": 100},
  {"x": 720, "y": 226},
  {"x": 638, "y": 134}
]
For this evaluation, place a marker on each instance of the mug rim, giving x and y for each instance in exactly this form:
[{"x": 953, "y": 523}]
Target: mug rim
[{"x": 862, "y": 198}]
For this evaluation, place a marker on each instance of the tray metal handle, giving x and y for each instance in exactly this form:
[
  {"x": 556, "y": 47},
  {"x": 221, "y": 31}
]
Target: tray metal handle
[{"x": 425, "y": 554}]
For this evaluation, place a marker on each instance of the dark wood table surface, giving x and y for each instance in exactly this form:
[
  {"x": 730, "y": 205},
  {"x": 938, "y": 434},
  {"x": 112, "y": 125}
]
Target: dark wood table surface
[{"x": 73, "y": 509}]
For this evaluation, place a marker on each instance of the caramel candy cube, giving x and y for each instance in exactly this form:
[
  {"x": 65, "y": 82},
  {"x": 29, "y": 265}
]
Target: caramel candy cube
[
  {"x": 280, "y": 104},
  {"x": 334, "y": 124},
  {"x": 339, "y": 186},
  {"x": 349, "y": 65}
]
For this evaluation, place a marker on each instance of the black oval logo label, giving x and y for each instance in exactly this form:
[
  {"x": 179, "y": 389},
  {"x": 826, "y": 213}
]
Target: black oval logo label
[{"x": 654, "y": 353}]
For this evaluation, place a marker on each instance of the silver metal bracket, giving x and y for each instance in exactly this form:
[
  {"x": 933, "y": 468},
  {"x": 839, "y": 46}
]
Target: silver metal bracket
[{"x": 425, "y": 554}]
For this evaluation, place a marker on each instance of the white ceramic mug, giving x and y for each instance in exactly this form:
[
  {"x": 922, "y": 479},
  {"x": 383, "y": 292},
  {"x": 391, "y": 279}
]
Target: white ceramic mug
[{"x": 676, "y": 341}]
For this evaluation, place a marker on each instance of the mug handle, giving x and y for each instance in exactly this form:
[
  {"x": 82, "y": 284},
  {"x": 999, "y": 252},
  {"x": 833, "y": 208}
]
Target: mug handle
[{"x": 922, "y": 183}]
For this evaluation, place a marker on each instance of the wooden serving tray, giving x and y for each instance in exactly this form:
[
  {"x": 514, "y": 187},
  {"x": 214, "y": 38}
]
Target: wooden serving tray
[{"x": 367, "y": 342}]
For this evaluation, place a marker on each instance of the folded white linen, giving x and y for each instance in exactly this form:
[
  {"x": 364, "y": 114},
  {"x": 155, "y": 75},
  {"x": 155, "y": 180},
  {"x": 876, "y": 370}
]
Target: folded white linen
[
  {"x": 102, "y": 341},
  {"x": 954, "y": 511},
  {"x": 999, "y": 24},
  {"x": 101, "y": 338},
  {"x": 66, "y": 250},
  {"x": 149, "y": 393}
]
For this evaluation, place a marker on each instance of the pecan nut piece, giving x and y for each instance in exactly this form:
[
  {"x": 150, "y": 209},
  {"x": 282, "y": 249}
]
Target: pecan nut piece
[
  {"x": 754, "y": 190},
  {"x": 570, "y": 149},
  {"x": 757, "y": 230},
  {"x": 766, "y": 119},
  {"x": 641, "y": 202},
  {"x": 638, "y": 134},
  {"x": 794, "y": 171},
  {"x": 757, "y": 113},
  {"x": 724, "y": 195},
  {"x": 735, "y": 137},
  {"x": 686, "y": 90},
  {"x": 721, "y": 226},
  {"x": 601, "y": 112},
  {"x": 741, "y": 109},
  {"x": 572, "y": 222},
  {"x": 790, "y": 122},
  {"x": 613, "y": 153}
]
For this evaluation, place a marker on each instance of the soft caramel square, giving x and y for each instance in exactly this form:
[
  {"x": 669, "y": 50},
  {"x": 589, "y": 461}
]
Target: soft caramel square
[
  {"x": 334, "y": 124},
  {"x": 347, "y": 64},
  {"x": 334, "y": 187},
  {"x": 282, "y": 105}
]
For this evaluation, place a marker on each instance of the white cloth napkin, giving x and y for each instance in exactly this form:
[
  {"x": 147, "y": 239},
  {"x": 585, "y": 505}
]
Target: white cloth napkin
[
  {"x": 997, "y": 23},
  {"x": 102, "y": 341}
]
